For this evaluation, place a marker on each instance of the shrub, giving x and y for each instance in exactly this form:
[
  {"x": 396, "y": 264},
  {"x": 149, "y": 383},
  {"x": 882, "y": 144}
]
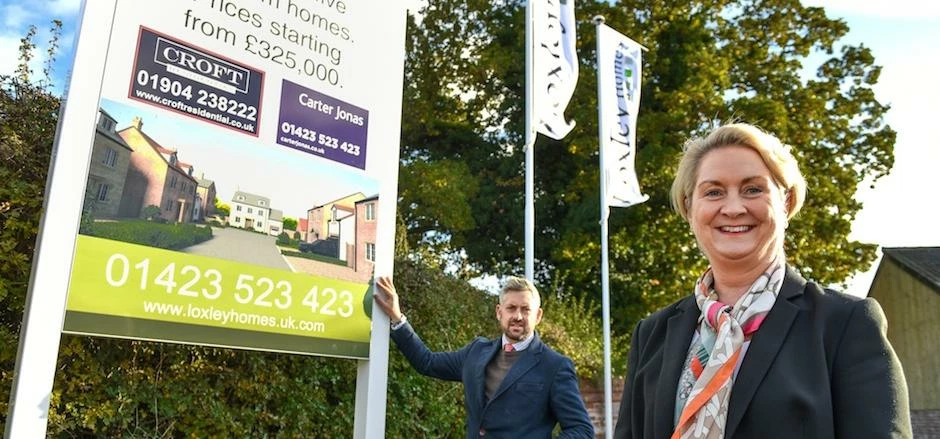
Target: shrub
[
  {"x": 315, "y": 257},
  {"x": 168, "y": 236},
  {"x": 150, "y": 212},
  {"x": 286, "y": 240}
]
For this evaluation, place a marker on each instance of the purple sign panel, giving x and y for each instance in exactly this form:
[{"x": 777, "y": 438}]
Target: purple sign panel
[
  {"x": 318, "y": 124},
  {"x": 195, "y": 82}
]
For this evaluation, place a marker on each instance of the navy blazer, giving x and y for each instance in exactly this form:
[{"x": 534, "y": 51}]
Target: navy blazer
[
  {"x": 820, "y": 366},
  {"x": 539, "y": 391}
]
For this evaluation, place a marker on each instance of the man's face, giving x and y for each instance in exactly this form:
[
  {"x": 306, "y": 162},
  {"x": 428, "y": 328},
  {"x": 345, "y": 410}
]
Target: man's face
[{"x": 516, "y": 315}]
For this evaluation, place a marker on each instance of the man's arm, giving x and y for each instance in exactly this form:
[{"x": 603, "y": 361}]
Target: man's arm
[
  {"x": 567, "y": 405},
  {"x": 443, "y": 365}
]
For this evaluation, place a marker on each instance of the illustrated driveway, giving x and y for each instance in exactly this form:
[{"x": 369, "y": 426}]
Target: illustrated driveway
[{"x": 241, "y": 246}]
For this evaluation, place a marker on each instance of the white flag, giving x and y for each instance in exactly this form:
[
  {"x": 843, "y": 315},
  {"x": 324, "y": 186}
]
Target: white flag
[
  {"x": 555, "y": 65},
  {"x": 619, "y": 67}
]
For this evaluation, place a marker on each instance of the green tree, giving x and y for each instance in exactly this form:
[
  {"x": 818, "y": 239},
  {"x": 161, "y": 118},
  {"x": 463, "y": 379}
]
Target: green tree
[
  {"x": 290, "y": 223},
  {"x": 708, "y": 62},
  {"x": 28, "y": 113},
  {"x": 221, "y": 208}
]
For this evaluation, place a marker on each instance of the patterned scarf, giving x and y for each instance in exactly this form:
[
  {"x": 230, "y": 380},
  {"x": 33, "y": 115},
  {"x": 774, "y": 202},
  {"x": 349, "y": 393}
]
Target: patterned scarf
[{"x": 705, "y": 385}]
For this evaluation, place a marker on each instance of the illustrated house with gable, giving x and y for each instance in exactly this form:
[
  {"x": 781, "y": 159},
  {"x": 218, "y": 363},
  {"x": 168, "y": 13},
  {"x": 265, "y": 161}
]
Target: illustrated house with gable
[
  {"x": 275, "y": 222},
  {"x": 366, "y": 232},
  {"x": 302, "y": 228},
  {"x": 320, "y": 218},
  {"x": 254, "y": 212},
  {"x": 156, "y": 177},
  {"x": 110, "y": 158},
  {"x": 205, "y": 199}
]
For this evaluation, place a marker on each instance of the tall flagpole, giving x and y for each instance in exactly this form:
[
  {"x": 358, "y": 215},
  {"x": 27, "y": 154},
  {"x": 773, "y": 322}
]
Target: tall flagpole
[
  {"x": 529, "y": 148},
  {"x": 605, "y": 213}
]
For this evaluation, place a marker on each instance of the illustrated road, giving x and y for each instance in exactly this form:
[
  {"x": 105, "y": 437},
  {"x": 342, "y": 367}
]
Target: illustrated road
[{"x": 242, "y": 246}]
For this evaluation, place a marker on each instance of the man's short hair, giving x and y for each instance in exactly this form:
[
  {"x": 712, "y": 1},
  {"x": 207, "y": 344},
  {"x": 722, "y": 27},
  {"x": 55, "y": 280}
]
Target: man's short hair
[{"x": 521, "y": 284}]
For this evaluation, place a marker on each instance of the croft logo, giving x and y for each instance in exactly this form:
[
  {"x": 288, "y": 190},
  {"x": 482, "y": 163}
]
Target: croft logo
[{"x": 201, "y": 67}]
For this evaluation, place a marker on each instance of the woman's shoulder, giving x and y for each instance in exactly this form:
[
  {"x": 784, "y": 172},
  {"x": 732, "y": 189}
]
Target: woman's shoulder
[
  {"x": 830, "y": 298},
  {"x": 838, "y": 307},
  {"x": 683, "y": 304}
]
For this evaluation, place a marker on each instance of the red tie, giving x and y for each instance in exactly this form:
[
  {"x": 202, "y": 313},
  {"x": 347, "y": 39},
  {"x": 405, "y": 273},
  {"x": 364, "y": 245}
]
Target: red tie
[{"x": 508, "y": 347}]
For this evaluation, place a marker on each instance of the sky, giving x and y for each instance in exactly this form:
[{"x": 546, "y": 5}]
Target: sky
[{"x": 902, "y": 34}]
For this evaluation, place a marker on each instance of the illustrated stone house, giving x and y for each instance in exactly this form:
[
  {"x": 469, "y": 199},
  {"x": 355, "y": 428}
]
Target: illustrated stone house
[
  {"x": 110, "y": 158},
  {"x": 254, "y": 212},
  {"x": 320, "y": 217},
  {"x": 907, "y": 285},
  {"x": 205, "y": 199},
  {"x": 275, "y": 222},
  {"x": 366, "y": 232},
  {"x": 156, "y": 177},
  {"x": 302, "y": 228}
]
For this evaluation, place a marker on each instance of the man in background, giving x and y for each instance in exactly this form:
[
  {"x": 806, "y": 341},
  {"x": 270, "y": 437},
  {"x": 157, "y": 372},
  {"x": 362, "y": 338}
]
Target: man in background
[{"x": 514, "y": 385}]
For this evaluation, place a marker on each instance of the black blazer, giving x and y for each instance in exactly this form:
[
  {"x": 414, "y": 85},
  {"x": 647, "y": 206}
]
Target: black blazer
[{"x": 820, "y": 366}]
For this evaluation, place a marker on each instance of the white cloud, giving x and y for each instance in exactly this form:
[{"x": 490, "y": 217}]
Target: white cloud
[
  {"x": 904, "y": 9},
  {"x": 61, "y": 8},
  {"x": 15, "y": 16},
  {"x": 10, "y": 50}
]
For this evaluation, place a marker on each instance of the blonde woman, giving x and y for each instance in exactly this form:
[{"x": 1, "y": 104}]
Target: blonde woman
[{"x": 755, "y": 350}]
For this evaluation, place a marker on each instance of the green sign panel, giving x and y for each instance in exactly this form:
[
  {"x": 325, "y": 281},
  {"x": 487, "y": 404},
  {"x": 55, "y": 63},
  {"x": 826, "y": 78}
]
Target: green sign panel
[{"x": 136, "y": 291}]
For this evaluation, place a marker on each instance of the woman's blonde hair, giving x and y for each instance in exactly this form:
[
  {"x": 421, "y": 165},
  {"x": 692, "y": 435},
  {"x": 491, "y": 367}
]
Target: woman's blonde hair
[{"x": 776, "y": 156}]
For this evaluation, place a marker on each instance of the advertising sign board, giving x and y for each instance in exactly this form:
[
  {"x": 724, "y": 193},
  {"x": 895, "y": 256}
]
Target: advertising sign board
[
  {"x": 224, "y": 175},
  {"x": 220, "y": 122}
]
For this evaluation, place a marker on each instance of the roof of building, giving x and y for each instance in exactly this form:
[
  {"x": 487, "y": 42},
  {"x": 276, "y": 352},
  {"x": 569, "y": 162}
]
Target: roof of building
[
  {"x": 302, "y": 224},
  {"x": 921, "y": 262},
  {"x": 251, "y": 199},
  {"x": 369, "y": 198},
  {"x": 356, "y": 197},
  {"x": 111, "y": 134},
  {"x": 204, "y": 182},
  {"x": 108, "y": 115},
  {"x": 164, "y": 153},
  {"x": 276, "y": 215}
]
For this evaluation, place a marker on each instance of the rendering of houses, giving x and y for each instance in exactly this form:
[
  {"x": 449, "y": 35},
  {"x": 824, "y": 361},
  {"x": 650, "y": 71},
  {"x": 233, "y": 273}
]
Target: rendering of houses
[
  {"x": 345, "y": 229},
  {"x": 302, "y": 228},
  {"x": 366, "y": 232},
  {"x": 156, "y": 177},
  {"x": 254, "y": 212},
  {"x": 275, "y": 222},
  {"x": 205, "y": 199},
  {"x": 320, "y": 217},
  {"x": 110, "y": 158}
]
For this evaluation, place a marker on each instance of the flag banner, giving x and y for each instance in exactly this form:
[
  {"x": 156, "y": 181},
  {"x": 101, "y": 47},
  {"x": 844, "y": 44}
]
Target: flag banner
[
  {"x": 619, "y": 68},
  {"x": 555, "y": 65}
]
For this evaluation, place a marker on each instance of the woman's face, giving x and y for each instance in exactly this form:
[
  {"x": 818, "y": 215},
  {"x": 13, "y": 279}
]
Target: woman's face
[{"x": 737, "y": 212}]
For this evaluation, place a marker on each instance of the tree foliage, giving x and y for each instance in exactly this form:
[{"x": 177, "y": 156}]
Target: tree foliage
[
  {"x": 221, "y": 208},
  {"x": 708, "y": 62},
  {"x": 290, "y": 223},
  {"x": 28, "y": 113}
]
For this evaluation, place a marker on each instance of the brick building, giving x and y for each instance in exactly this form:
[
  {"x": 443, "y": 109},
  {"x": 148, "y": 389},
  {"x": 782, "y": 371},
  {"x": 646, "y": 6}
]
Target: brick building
[
  {"x": 110, "y": 158},
  {"x": 156, "y": 177}
]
